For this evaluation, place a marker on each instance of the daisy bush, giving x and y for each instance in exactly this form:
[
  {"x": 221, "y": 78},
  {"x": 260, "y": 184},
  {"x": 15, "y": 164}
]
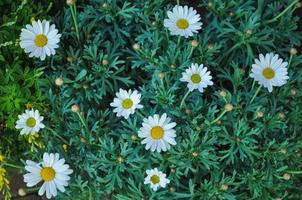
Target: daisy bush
[{"x": 153, "y": 99}]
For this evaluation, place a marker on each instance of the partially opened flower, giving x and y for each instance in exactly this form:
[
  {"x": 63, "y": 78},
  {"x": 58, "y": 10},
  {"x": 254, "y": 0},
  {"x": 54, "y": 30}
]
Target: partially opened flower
[
  {"x": 183, "y": 21},
  {"x": 40, "y": 39},
  {"x": 52, "y": 171},
  {"x": 269, "y": 71},
  {"x": 197, "y": 77},
  {"x": 156, "y": 179},
  {"x": 30, "y": 122},
  {"x": 126, "y": 102},
  {"x": 158, "y": 133}
]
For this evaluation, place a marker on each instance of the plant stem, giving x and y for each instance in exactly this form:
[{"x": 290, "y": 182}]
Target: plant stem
[
  {"x": 57, "y": 135},
  {"x": 83, "y": 122},
  {"x": 283, "y": 12},
  {"x": 256, "y": 93},
  {"x": 178, "y": 41},
  {"x": 73, "y": 13},
  {"x": 290, "y": 60},
  {"x": 13, "y": 165},
  {"x": 140, "y": 114},
  {"x": 219, "y": 117},
  {"x": 295, "y": 172},
  {"x": 183, "y": 99},
  {"x": 189, "y": 56},
  {"x": 35, "y": 189},
  {"x": 177, "y": 2}
]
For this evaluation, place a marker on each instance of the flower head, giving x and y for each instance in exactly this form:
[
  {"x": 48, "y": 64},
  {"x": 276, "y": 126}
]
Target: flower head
[
  {"x": 183, "y": 21},
  {"x": 197, "y": 77},
  {"x": 52, "y": 171},
  {"x": 158, "y": 133},
  {"x": 40, "y": 39},
  {"x": 269, "y": 71},
  {"x": 126, "y": 102},
  {"x": 30, "y": 122},
  {"x": 156, "y": 179}
]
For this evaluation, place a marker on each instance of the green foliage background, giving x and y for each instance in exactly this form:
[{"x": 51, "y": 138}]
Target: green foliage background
[{"x": 250, "y": 154}]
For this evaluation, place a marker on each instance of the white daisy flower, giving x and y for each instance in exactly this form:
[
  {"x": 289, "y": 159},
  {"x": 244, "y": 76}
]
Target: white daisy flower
[
  {"x": 40, "y": 39},
  {"x": 197, "y": 77},
  {"x": 126, "y": 102},
  {"x": 158, "y": 133},
  {"x": 52, "y": 171},
  {"x": 156, "y": 179},
  {"x": 269, "y": 71},
  {"x": 183, "y": 21},
  {"x": 30, "y": 122}
]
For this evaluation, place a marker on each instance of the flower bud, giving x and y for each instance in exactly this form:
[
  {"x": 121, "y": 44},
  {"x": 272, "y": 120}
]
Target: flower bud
[
  {"x": 22, "y": 192},
  {"x": 75, "y": 108},
  {"x": 105, "y": 62},
  {"x": 69, "y": 59},
  {"x": 59, "y": 81},
  {"x": 161, "y": 75},
  {"x": 293, "y": 51},
  {"x": 224, "y": 187},
  {"x": 194, "y": 43},
  {"x": 69, "y": 2},
  {"x": 228, "y": 107},
  {"x": 259, "y": 114},
  {"x": 222, "y": 93},
  {"x": 286, "y": 176},
  {"x": 120, "y": 159},
  {"x": 136, "y": 46},
  {"x": 194, "y": 154},
  {"x": 293, "y": 92}
]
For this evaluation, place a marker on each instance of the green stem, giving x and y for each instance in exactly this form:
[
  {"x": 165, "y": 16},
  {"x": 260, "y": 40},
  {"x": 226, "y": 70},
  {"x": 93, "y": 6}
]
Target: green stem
[
  {"x": 35, "y": 189},
  {"x": 283, "y": 12},
  {"x": 73, "y": 13},
  {"x": 13, "y": 165},
  {"x": 189, "y": 56},
  {"x": 256, "y": 93},
  {"x": 178, "y": 41},
  {"x": 177, "y": 2},
  {"x": 140, "y": 114},
  {"x": 289, "y": 62},
  {"x": 219, "y": 117},
  {"x": 57, "y": 135},
  {"x": 184, "y": 98},
  {"x": 294, "y": 172},
  {"x": 83, "y": 122}
]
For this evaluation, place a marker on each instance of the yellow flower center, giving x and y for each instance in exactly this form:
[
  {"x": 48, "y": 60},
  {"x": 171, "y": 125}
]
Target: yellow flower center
[
  {"x": 41, "y": 40},
  {"x": 47, "y": 174},
  {"x": 157, "y": 132},
  {"x": 154, "y": 179},
  {"x": 182, "y": 24},
  {"x": 31, "y": 122},
  {"x": 195, "y": 78},
  {"x": 127, "y": 103},
  {"x": 268, "y": 73}
]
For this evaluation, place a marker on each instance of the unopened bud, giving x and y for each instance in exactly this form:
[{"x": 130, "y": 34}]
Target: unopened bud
[
  {"x": 120, "y": 159},
  {"x": 161, "y": 75},
  {"x": 293, "y": 51},
  {"x": 22, "y": 192},
  {"x": 69, "y": 2},
  {"x": 293, "y": 92},
  {"x": 259, "y": 114},
  {"x": 194, "y": 154},
  {"x": 69, "y": 59},
  {"x": 286, "y": 176},
  {"x": 249, "y": 32},
  {"x": 222, "y": 93},
  {"x": 105, "y": 62},
  {"x": 59, "y": 81},
  {"x": 228, "y": 107},
  {"x": 172, "y": 189},
  {"x": 75, "y": 108},
  {"x": 194, "y": 43},
  {"x": 224, "y": 187},
  {"x": 136, "y": 46}
]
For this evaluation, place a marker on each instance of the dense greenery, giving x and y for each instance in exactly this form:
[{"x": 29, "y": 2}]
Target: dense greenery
[{"x": 252, "y": 152}]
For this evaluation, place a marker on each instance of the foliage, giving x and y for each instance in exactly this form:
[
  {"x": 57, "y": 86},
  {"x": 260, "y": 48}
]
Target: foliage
[{"x": 246, "y": 154}]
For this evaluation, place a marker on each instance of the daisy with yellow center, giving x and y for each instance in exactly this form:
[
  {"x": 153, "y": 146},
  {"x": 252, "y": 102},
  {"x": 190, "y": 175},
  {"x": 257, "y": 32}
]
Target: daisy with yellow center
[
  {"x": 183, "y": 21},
  {"x": 197, "y": 77},
  {"x": 126, "y": 102},
  {"x": 52, "y": 171},
  {"x": 158, "y": 133},
  {"x": 30, "y": 122},
  {"x": 156, "y": 179},
  {"x": 269, "y": 71},
  {"x": 40, "y": 39}
]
